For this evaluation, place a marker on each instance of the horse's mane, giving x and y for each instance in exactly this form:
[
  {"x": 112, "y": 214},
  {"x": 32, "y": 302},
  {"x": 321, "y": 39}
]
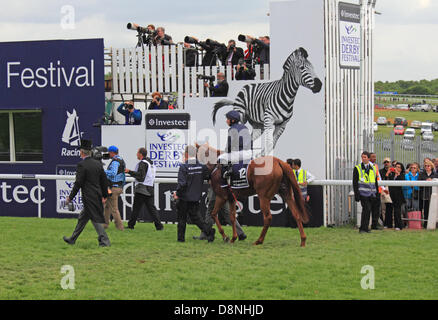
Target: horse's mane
[{"x": 208, "y": 148}]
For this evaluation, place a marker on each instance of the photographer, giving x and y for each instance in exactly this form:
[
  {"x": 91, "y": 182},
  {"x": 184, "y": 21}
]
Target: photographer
[
  {"x": 116, "y": 177},
  {"x": 132, "y": 115},
  {"x": 190, "y": 55},
  {"x": 233, "y": 54},
  {"x": 219, "y": 90},
  {"x": 151, "y": 33},
  {"x": 161, "y": 38},
  {"x": 144, "y": 175},
  {"x": 157, "y": 102},
  {"x": 243, "y": 72},
  {"x": 260, "y": 47},
  {"x": 213, "y": 51}
]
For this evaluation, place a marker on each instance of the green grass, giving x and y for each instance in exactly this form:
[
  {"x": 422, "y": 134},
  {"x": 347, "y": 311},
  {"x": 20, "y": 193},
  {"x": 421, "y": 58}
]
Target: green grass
[{"x": 147, "y": 264}]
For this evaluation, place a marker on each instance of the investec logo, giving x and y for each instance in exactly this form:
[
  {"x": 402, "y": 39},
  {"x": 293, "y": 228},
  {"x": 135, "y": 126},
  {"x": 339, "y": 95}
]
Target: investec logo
[{"x": 71, "y": 135}]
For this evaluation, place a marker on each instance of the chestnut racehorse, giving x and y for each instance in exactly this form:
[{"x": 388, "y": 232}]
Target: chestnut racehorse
[{"x": 267, "y": 176}]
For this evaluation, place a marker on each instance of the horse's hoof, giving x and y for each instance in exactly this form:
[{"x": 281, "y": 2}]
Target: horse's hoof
[
  {"x": 233, "y": 240},
  {"x": 226, "y": 239},
  {"x": 257, "y": 243}
]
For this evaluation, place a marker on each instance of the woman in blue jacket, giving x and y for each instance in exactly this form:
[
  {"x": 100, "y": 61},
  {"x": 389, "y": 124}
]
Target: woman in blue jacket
[{"x": 411, "y": 194}]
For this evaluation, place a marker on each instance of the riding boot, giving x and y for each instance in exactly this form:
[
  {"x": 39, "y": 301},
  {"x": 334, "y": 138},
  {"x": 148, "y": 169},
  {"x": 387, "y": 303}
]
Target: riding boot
[{"x": 227, "y": 171}]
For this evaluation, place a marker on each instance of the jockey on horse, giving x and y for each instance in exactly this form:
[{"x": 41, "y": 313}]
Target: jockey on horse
[{"x": 239, "y": 145}]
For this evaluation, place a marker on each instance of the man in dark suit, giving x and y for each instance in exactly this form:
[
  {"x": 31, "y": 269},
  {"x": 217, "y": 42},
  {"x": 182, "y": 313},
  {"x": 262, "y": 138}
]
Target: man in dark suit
[
  {"x": 188, "y": 193},
  {"x": 233, "y": 54},
  {"x": 92, "y": 180}
]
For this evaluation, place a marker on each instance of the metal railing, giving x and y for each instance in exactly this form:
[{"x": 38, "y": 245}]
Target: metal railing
[{"x": 328, "y": 220}]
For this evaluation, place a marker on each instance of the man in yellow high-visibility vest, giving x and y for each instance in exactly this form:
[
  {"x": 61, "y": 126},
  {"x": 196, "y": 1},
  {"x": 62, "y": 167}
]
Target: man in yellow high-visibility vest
[
  {"x": 304, "y": 177},
  {"x": 366, "y": 190}
]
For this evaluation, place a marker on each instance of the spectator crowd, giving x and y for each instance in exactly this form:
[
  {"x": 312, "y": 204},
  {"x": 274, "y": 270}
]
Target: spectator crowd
[{"x": 392, "y": 205}]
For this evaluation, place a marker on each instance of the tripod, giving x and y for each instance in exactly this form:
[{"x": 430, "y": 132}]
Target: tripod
[
  {"x": 140, "y": 42},
  {"x": 215, "y": 55}
]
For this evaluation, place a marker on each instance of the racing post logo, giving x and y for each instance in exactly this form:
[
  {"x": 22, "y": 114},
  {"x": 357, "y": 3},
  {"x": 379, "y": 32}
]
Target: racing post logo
[{"x": 71, "y": 134}]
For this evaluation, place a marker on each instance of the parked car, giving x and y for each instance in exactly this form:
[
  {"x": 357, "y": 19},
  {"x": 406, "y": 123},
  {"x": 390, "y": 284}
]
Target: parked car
[
  {"x": 382, "y": 121},
  {"x": 426, "y": 126},
  {"x": 400, "y": 121},
  {"x": 375, "y": 127},
  {"x": 407, "y": 144},
  {"x": 435, "y": 126},
  {"x": 390, "y": 107},
  {"x": 403, "y": 106},
  {"x": 425, "y": 107},
  {"x": 409, "y": 133},
  {"x": 415, "y": 107},
  {"x": 399, "y": 130},
  {"x": 435, "y": 108},
  {"x": 379, "y": 106},
  {"x": 416, "y": 124},
  {"x": 427, "y": 136}
]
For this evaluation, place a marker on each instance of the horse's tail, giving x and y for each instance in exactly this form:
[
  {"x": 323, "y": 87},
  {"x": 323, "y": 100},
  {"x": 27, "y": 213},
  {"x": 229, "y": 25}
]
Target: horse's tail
[
  {"x": 299, "y": 201},
  {"x": 223, "y": 103}
]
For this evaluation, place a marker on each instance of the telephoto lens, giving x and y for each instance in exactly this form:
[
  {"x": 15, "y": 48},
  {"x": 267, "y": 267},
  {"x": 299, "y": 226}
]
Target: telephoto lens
[
  {"x": 188, "y": 39},
  {"x": 242, "y": 38}
]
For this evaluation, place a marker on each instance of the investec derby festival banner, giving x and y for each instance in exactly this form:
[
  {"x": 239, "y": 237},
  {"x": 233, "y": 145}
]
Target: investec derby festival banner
[
  {"x": 64, "y": 81},
  {"x": 63, "y": 189},
  {"x": 349, "y": 35},
  {"x": 166, "y": 139}
]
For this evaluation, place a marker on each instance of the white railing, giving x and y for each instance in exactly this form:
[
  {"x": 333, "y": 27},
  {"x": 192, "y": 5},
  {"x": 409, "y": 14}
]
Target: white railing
[
  {"x": 433, "y": 214},
  {"x": 161, "y": 68}
]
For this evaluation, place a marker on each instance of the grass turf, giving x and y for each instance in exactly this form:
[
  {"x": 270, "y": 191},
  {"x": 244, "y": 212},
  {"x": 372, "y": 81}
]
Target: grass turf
[{"x": 148, "y": 264}]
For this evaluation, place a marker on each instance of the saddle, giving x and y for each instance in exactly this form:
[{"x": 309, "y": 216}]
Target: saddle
[{"x": 238, "y": 178}]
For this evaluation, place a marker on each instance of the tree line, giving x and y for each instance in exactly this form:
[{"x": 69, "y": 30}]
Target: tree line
[{"x": 422, "y": 87}]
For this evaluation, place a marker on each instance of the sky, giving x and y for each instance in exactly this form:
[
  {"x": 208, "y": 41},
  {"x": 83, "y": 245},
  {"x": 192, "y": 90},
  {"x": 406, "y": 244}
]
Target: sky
[{"x": 405, "y": 38}]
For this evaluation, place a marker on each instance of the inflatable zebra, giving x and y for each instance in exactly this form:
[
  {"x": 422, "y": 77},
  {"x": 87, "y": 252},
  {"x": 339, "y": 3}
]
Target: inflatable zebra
[{"x": 268, "y": 107}]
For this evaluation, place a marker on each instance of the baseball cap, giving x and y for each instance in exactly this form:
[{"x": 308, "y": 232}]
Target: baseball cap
[
  {"x": 113, "y": 149},
  {"x": 386, "y": 160},
  {"x": 233, "y": 115}
]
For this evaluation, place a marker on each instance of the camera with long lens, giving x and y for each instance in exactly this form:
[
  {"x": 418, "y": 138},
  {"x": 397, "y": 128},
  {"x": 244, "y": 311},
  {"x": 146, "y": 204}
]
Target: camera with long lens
[
  {"x": 243, "y": 38},
  {"x": 165, "y": 42},
  {"x": 206, "y": 78},
  {"x": 136, "y": 27},
  {"x": 191, "y": 40},
  {"x": 213, "y": 43},
  {"x": 100, "y": 153},
  {"x": 145, "y": 36}
]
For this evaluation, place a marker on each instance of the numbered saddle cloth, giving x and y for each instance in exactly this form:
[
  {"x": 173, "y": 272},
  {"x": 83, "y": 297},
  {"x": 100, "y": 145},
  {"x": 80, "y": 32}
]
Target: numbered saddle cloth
[{"x": 238, "y": 177}]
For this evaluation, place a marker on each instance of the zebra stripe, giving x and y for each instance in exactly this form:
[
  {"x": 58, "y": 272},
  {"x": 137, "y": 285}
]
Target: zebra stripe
[{"x": 271, "y": 104}]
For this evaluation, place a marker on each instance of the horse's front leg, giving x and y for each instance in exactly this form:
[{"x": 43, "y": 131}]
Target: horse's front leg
[
  {"x": 233, "y": 219},
  {"x": 219, "y": 203}
]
